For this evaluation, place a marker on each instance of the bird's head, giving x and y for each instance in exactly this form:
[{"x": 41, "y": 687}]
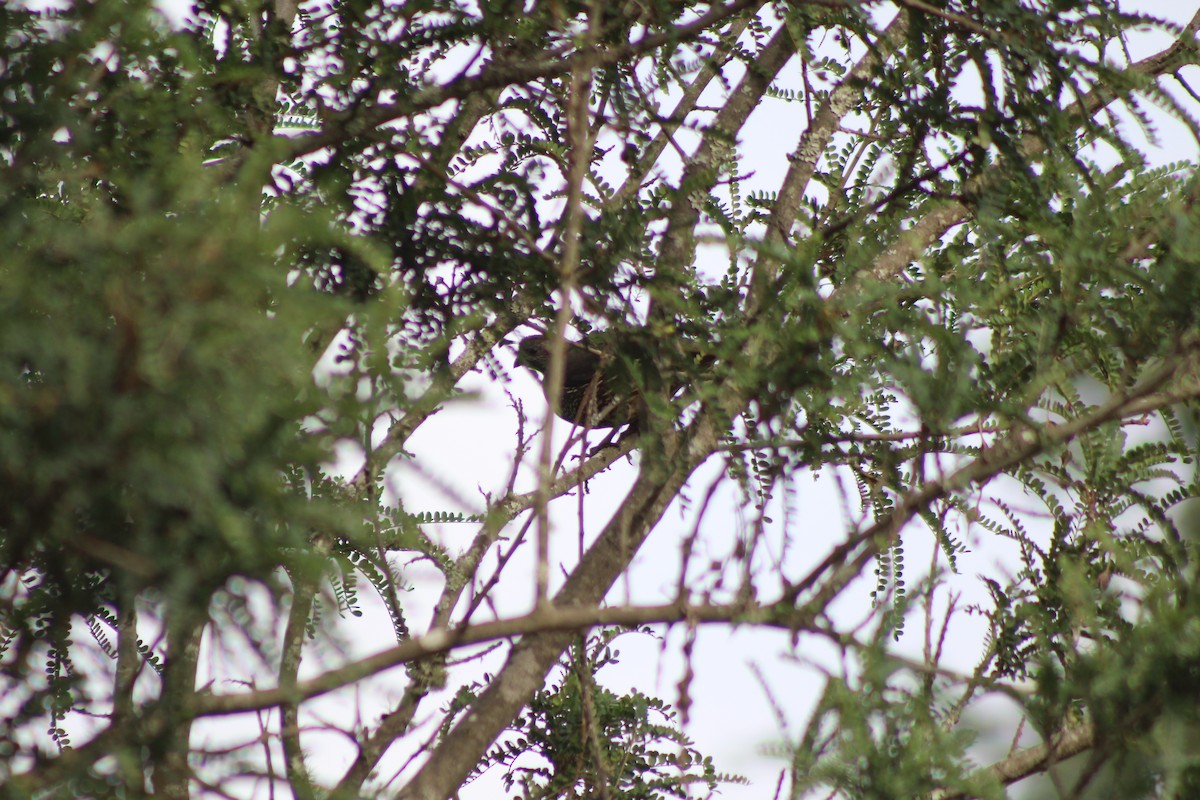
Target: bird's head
[{"x": 534, "y": 353}]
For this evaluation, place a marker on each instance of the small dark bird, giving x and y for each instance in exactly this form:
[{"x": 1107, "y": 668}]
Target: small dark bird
[{"x": 595, "y": 392}]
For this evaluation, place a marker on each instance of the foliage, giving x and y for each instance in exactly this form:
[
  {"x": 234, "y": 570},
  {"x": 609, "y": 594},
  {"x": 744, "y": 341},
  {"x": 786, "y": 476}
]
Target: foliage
[
  {"x": 252, "y": 252},
  {"x": 580, "y": 737}
]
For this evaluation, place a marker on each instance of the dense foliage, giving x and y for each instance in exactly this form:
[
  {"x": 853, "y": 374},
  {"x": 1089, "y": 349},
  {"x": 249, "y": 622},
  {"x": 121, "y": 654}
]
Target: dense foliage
[{"x": 913, "y": 249}]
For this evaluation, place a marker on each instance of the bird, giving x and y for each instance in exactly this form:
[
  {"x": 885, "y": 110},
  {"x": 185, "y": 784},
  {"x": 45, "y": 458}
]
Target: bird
[{"x": 596, "y": 393}]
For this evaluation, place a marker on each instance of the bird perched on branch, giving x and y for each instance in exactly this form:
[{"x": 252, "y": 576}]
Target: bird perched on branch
[{"x": 596, "y": 391}]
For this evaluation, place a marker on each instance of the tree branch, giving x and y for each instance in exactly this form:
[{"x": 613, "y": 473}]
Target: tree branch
[
  {"x": 550, "y": 619},
  {"x": 1070, "y": 741}
]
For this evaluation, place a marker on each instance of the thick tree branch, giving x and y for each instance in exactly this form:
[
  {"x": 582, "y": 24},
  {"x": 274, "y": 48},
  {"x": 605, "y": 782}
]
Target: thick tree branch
[
  {"x": 303, "y": 591},
  {"x": 533, "y": 657},
  {"x": 1070, "y": 741},
  {"x": 703, "y": 169},
  {"x": 687, "y": 103},
  {"x": 813, "y": 142},
  {"x": 551, "y": 619}
]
